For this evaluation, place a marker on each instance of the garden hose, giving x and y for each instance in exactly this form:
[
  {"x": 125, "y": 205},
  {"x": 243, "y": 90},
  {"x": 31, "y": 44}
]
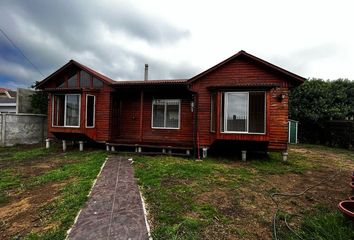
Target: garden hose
[{"x": 272, "y": 196}]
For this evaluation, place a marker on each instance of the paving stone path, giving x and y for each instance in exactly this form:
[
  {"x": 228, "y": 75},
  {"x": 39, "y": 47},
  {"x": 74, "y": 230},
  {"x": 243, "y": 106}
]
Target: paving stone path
[{"x": 114, "y": 209}]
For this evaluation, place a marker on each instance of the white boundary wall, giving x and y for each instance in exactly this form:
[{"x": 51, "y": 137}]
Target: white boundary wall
[{"x": 22, "y": 128}]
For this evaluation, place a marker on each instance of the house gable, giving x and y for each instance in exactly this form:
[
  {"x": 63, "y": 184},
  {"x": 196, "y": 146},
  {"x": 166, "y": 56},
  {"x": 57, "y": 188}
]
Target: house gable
[
  {"x": 244, "y": 68},
  {"x": 68, "y": 76}
]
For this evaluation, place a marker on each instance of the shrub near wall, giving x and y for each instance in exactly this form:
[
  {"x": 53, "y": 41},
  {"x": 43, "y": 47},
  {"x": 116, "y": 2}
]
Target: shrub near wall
[{"x": 317, "y": 101}]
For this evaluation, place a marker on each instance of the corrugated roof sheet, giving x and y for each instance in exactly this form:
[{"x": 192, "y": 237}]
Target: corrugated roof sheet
[{"x": 151, "y": 82}]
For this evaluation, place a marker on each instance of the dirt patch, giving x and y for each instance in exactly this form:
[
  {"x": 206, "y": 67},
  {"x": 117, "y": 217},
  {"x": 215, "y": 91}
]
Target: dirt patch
[
  {"x": 23, "y": 214},
  {"x": 249, "y": 209}
]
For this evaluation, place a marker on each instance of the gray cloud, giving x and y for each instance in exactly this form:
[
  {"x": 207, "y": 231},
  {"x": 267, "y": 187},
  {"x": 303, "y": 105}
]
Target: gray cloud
[{"x": 52, "y": 32}]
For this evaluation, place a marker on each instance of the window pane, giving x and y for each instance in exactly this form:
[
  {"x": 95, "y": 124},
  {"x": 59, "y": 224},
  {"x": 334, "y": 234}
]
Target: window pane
[
  {"x": 256, "y": 112},
  {"x": 172, "y": 116},
  {"x": 158, "y": 115},
  {"x": 72, "y": 110},
  {"x": 85, "y": 79},
  {"x": 97, "y": 83},
  {"x": 61, "y": 84},
  {"x": 72, "y": 81},
  {"x": 236, "y": 112},
  {"x": 58, "y": 111},
  {"x": 90, "y": 108}
]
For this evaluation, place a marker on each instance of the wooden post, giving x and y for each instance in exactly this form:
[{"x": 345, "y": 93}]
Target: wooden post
[
  {"x": 244, "y": 155},
  {"x": 64, "y": 145},
  {"x": 284, "y": 156},
  {"x": 47, "y": 143},
  {"x": 205, "y": 152},
  {"x": 81, "y": 146}
]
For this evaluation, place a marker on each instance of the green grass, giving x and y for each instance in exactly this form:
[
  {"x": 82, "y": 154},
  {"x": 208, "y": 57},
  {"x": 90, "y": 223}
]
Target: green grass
[
  {"x": 324, "y": 224},
  {"x": 174, "y": 188},
  {"x": 172, "y": 185},
  {"x": 75, "y": 170},
  {"x": 72, "y": 197},
  {"x": 297, "y": 163},
  {"x": 341, "y": 152},
  {"x": 8, "y": 180}
]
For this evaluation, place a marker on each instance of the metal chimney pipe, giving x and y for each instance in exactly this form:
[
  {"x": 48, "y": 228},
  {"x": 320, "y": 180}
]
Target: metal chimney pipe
[{"x": 146, "y": 73}]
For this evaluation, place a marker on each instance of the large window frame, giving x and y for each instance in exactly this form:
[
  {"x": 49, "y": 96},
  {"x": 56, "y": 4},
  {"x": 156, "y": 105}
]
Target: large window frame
[
  {"x": 165, "y": 101},
  {"x": 225, "y": 109},
  {"x": 94, "y": 111},
  {"x": 65, "y": 110}
]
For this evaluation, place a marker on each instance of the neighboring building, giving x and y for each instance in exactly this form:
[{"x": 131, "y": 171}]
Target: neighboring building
[
  {"x": 7, "y": 100},
  {"x": 18, "y": 101},
  {"x": 242, "y": 100}
]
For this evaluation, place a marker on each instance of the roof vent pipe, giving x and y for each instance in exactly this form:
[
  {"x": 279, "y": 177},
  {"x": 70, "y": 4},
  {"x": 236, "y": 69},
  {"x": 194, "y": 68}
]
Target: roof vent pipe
[{"x": 146, "y": 73}]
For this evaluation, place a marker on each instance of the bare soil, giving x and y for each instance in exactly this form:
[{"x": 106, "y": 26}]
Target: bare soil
[
  {"x": 251, "y": 208},
  {"x": 23, "y": 212}
]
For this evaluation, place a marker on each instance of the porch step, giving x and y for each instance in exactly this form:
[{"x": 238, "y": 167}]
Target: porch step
[{"x": 149, "y": 149}]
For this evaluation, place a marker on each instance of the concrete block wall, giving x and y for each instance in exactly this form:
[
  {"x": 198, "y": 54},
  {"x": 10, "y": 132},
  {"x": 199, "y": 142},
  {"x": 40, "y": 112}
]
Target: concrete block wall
[{"x": 22, "y": 128}]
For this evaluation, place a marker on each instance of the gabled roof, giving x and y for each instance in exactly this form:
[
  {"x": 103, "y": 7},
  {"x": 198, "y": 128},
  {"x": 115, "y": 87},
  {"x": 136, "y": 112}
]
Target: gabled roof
[
  {"x": 291, "y": 75},
  {"x": 81, "y": 66},
  {"x": 3, "y": 90}
]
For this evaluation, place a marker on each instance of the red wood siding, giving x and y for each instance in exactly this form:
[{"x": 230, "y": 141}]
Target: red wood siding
[
  {"x": 243, "y": 71},
  {"x": 131, "y": 129},
  {"x": 102, "y": 112}
]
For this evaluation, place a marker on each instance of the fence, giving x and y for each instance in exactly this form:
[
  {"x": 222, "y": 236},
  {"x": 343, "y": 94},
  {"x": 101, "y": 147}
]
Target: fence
[
  {"x": 22, "y": 128},
  {"x": 336, "y": 133}
]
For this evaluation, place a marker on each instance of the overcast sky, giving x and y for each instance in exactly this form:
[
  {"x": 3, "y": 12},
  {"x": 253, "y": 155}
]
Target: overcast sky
[{"x": 178, "y": 39}]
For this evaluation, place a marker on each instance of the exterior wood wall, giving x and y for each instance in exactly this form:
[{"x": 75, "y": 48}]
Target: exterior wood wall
[
  {"x": 101, "y": 130},
  {"x": 134, "y": 129},
  {"x": 243, "y": 71}
]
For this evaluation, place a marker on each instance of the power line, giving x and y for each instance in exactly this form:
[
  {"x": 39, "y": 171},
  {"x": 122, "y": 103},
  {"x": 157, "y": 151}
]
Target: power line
[{"x": 20, "y": 51}]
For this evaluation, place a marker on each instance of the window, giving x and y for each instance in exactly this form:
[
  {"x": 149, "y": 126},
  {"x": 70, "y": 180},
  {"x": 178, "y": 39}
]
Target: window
[
  {"x": 97, "y": 83},
  {"x": 66, "y": 110},
  {"x": 90, "y": 111},
  {"x": 244, "y": 112},
  {"x": 166, "y": 113},
  {"x": 85, "y": 79},
  {"x": 58, "y": 110},
  {"x": 72, "y": 81}
]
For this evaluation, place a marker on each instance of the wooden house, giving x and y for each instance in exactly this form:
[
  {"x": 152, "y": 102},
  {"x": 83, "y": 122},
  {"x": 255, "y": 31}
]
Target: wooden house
[{"x": 242, "y": 101}]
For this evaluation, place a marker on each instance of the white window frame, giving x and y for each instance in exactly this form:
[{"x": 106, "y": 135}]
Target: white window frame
[
  {"x": 94, "y": 111},
  {"x": 65, "y": 100},
  {"x": 165, "y": 112},
  {"x": 248, "y": 117}
]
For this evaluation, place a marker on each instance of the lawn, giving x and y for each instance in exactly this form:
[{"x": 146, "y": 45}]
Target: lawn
[
  {"x": 41, "y": 190},
  {"x": 230, "y": 199}
]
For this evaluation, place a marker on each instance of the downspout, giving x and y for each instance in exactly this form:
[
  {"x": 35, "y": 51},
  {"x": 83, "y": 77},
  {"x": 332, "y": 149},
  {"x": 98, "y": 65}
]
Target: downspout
[{"x": 195, "y": 123}]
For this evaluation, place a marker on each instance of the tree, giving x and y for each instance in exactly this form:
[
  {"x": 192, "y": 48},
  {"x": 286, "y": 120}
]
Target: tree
[
  {"x": 39, "y": 101},
  {"x": 317, "y": 99}
]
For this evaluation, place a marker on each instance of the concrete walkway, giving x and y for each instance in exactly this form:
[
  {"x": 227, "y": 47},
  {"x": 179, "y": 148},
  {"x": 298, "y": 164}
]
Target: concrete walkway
[{"x": 114, "y": 209}]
